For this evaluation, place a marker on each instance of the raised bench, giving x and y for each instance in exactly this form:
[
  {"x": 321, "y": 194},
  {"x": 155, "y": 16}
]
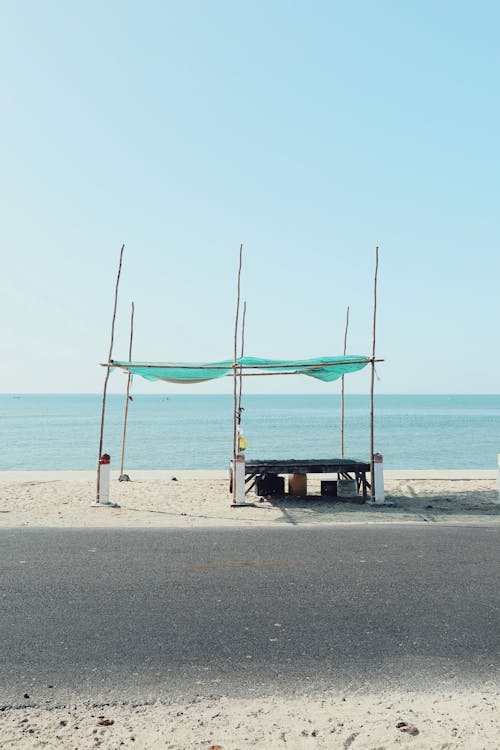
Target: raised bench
[{"x": 345, "y": 468}]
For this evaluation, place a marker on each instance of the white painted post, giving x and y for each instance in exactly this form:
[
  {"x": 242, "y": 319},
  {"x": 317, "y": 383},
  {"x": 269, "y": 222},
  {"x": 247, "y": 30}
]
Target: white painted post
[
  {"x": 239, "y": 478},
  {"x": 105, "y": 462},
  {"x": 378, "y": 478},
  {"x": 105, "y": 472}
]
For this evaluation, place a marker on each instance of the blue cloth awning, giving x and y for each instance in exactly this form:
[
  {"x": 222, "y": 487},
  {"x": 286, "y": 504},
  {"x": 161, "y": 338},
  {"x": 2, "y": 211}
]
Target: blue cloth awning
[{"x": 326, "y": 369}]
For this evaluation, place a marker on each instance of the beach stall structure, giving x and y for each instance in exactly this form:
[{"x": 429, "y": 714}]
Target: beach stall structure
[
  {"x": 265, "y": 475},
  {"x": 262, "y": 473}
]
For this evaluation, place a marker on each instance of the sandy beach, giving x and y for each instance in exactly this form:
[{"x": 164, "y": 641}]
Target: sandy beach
[
  {"x": 456, "y": 717},
  {"x": 445, "y": 721},
  {"x": 201, "y": 498}
]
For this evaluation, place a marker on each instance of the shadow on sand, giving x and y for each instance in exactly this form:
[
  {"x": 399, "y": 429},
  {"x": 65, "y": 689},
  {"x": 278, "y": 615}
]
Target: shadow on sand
[{"x": 407, "y": 503}]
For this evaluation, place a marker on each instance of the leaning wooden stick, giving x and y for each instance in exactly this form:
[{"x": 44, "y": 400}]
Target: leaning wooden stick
[
  {"x": 343, "y": 391},
  {"x": 235, "y": 363},
  {"x": 103, "y": 407},
  {"x": 372, "y": 446},
  {"x": 242, "y": 353},
  {"x": 127, "y": 395}
]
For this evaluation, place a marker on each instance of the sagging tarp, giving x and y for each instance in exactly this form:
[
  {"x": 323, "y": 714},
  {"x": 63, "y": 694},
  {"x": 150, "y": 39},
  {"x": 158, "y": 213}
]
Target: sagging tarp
[{"x": 326, "y": 369}]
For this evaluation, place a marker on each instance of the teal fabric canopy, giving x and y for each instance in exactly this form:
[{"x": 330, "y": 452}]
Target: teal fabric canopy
[{"x": 321, "y": 368}]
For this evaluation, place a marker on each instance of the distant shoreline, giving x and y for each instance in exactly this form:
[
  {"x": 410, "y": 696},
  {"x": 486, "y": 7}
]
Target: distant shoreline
[
  {"x": 167, "y": 474},
  {"x": 20, "y": 394}
]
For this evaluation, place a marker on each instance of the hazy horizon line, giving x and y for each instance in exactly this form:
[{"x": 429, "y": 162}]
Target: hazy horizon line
[{"x": 170, "y": 393}]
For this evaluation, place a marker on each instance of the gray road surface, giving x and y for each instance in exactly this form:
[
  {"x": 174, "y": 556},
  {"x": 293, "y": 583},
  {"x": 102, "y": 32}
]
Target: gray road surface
[{"x": 141, "y": 614}]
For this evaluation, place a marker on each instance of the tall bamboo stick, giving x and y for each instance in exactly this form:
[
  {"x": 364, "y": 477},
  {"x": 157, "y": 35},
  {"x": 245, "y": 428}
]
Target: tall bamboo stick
[
  {"x": 372, "y": 441},
  {"x": 235, "y": 363},
  {"x": 103, "y": 407},
  {"x": 127, "y": 395},
  {"x": 342, "y": 417},
  {"x": 242, "y": 353}
]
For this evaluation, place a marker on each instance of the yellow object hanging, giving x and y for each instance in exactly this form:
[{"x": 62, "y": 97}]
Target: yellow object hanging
[{"x": 242, "y": 443}]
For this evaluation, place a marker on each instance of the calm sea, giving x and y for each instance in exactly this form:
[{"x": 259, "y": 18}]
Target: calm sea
[{"x": 195, "y": 432}]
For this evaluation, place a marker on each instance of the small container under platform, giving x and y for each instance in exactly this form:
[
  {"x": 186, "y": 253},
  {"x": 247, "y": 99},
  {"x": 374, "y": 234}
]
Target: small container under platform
[
  {"x": 347, "y": 492},
  {"x": 329, "y": 488},
  {"x": 297, "y": 484},
  {"x": 269, "y": 484},
  {"x": 347, "y": 488}
]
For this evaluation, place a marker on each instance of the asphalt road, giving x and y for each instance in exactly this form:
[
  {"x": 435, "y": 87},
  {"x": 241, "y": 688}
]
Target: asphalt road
[{"x": 141, "y": 614}]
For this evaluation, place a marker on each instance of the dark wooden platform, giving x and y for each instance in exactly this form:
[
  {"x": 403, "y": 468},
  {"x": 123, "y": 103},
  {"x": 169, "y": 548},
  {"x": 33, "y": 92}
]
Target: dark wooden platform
[
  {"x": 345, "y": 468},
  {"x": 305, "y": 466}
]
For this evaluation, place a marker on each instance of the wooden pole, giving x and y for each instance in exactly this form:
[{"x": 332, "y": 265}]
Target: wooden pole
[
  {"x": 372, "y": 441},
  {"x": 343, "y": 391},
  {"x": 103, "y": 407},
  {"x": 242, "y": 353},
  {"x": 235, "y": 363},
  {"x": 127, "y": 395}
]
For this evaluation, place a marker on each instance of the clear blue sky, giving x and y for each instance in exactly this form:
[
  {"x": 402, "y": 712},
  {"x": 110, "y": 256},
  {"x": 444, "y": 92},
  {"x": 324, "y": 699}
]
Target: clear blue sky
[{"x": 310, "y": 131}]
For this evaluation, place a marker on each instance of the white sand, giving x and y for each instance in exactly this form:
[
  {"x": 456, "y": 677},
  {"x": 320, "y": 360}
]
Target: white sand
[
  {"x": 154, "y": 499},
  {"x": 457, "y": 718},
  {"x": 448, "y": 721}
]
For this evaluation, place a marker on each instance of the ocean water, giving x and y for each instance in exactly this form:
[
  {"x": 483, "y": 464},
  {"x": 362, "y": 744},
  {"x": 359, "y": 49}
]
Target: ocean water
[{"x": 50, "y": 432}]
